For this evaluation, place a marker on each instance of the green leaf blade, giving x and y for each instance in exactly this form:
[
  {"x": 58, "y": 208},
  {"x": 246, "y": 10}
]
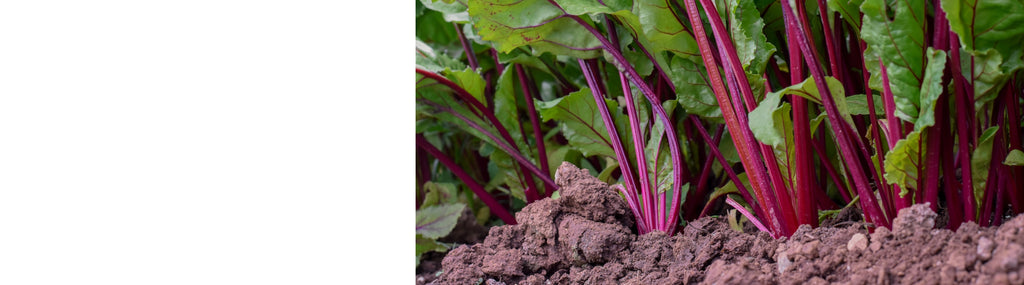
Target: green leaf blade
[
  {"x": 580, "y": 121},
  {"x": 437, "y": 221}
]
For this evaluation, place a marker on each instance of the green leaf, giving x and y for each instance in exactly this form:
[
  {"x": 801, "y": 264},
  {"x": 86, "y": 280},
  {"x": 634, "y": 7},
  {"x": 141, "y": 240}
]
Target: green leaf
[
  {"x": 508, "y": 173},
  {"x": 520, "y": 56},
  {"x": 991, "y": 72},
  {"x": 767, "y": 123},
  {"x": 987, "y": 24},
  {"x": 594, "y": 7},
  {"x": 425, "y": 245},
  {"x": 809, "y": 90},
  {"x": 771, "y": 12},
  {"x": 439, "y": 102},
  {"x": 606, "y": 173},
  {"x": 437, "y": 221},
  {"x": 658, "y": 154},
  {"x": 858, "y": 104},
  {"x": 728, "y": 149},
  {"x": 439, "y": 193},
  {"x": 581, "y": 122},
  {"x": 774, "y": 126},
  {"x": 693, "y": 90},
  {"x": 901, "y": 163},
  {"x": 537, "y": 23},
  {"x": 1014, "y": 158},
  {"x": 427, "y": 59},
  {"x": 850, "y": 11},
  {"x": 470, "y": 80},
  {"x": 663, "y": 29},
  {"x": 931, "y": 88},
  {"x": 981, "y": 159},
  {"x": 752, "y": 46},
  {"x": 993, "y": 32},
  {"x": 453, "y": 11},
  {"x": 731, "y": 188},
  {"x": 900, "y": 42},
  {"x": 505, "y": 107},
  {"x": 431, "y": 27}
]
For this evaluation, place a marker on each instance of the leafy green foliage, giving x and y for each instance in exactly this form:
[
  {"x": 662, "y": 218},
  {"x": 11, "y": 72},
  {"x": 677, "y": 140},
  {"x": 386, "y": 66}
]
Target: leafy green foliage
[
  {"x": 580, "y": 122},
  {"x": 693, "y": 91},
  {"x": 849, "y": 9},
  {"x": 1014, "y": 158},
  {"x": 537, "y": 23},
  {"x": 435, "y": 222},
  {"x": 653, "y": 38},
  {"x": 992, "y": 31},
  {"x": 752, "y": 46},
  {"x": 903, "y": 161},
  {"x": 438, "y": 220},
  {"x": 858, "y": 104},
  {"x": 899, "y": 41},
  {"x": 663, "y": 29}
]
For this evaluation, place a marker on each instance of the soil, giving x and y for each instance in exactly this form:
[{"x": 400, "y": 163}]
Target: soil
[{"x": 586, "y": 237}]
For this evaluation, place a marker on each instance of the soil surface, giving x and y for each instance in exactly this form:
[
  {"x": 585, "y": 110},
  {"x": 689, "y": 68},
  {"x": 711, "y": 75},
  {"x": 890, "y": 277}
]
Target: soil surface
[{"x": 587, "y": 237}]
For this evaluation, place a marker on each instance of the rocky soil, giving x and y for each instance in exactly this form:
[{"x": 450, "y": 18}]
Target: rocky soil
[{"x": 587, "y": 237}]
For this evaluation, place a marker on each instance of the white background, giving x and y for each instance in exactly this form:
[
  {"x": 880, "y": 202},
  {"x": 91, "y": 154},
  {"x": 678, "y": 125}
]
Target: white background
[{"x": 206, "y": 142}]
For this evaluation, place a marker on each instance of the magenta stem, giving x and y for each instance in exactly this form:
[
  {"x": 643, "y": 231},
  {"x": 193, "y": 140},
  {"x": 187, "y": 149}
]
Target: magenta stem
[{"x": 477, "y": 189}]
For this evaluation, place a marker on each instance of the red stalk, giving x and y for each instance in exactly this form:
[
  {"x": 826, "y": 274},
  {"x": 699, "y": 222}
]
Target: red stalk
[
  {"x": 705, "y": 175},
  {"x": 995, "y": 165},
  {"x": 868, "y": 203},
  {"x": 728, "y": 170},
  {"x": 738, "y": 80},
  {"x": 467, "y": 47},
  {"x": 832, "y": 173},
  {"x": 510, "y": 147},
  {"x": 655, "y": 102},
  {"x": 934, "y": 134},
  {"x": 963, "y": 123},
  {"x": 894, "y": 134},
  {"x": 1015, "y": 187},
  {"x": 538, "y": 137},
  {"x": 745, "y": 149},
  {"x": 805, "y": 182},
  {"x": 655, "y": 218},
  {"x": 477, "y": 189},
  {"x": 747, "y": 214},
  {"x": 641, "y": 157},
  {"x": 645, "y": 217}
]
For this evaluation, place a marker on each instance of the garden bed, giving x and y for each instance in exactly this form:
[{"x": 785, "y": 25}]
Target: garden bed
[{"x": 587, "y": 237}]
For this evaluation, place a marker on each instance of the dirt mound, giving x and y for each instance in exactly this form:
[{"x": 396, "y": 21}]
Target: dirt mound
[{"x": 586, "y": 237}]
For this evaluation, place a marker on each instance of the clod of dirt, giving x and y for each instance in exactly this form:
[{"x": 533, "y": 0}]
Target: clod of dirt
[
  {"x": 985, "y": 246},
  {"x": 914, "y": 219},
  {"x": 585, "y": 237},
  {"x": 858, "y": 242}
]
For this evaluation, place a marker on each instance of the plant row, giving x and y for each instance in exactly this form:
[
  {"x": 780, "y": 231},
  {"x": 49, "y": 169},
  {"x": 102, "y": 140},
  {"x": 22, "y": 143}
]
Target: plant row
[{"x": 783, "y": 110}]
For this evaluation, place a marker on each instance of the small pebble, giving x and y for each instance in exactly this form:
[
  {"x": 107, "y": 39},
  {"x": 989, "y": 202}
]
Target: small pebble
[
  {"x": 985, "y": 246},
  {"x": 858, "y": 242}
]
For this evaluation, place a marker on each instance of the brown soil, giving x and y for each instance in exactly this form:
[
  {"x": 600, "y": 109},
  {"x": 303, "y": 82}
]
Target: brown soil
[
  {"x": 586, "y": 237},
  {"x": 466, "y": 231}
]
